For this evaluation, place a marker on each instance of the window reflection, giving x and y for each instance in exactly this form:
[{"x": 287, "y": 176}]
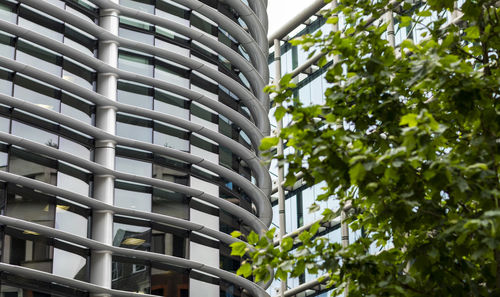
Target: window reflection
[
  {"x": 76, "y": 107},
  {"x": 33, "y": 166},
  {"x": 169, "y": 281},
  {"x": 6, "y": 44},
  {"x": 168, "y": 136},
  {"x": 35, "y": 134},
  {"x": 131, "y": 197},
  {"x": 172, "y": 74},
  {"x": 134, "y": 128},
  {"x": 31, "y": 54},
  {"x": 170, "y": 204},
  {"x": 135, "y": 63},
  {"x": 36, "y": 93},
  {"x": 40, "y": 24},
  {"x": 133, "y": 166},
  {"x": 7, "y": 12},
  {"x": 130, "y": 275},
  {"x": 5, "y": 82},
  {"x": 69, "y": 265},
  {"x": 168, "y": 103},
  {"x": 78, "y": 74},
  {"x": 135, "y": 94},
  {"x": 131, "y": 236}
]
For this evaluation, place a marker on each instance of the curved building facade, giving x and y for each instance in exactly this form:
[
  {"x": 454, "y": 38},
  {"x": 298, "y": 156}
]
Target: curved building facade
[{"x": 129, "y": 134}]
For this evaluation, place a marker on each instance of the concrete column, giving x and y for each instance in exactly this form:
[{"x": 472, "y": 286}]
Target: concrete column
[{"x": 102, "y": 221}]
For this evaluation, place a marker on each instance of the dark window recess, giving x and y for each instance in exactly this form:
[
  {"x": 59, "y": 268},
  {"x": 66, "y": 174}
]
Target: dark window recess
[
  {"x": 204, "y": 84},
  {"x": 202, "y": 113},
  {"x": 198, "y": 142}
]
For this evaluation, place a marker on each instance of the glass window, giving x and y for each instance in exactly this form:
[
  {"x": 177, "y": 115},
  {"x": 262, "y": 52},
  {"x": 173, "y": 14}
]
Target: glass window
[
  {"x": 130, "y": 196},
  {"x": 6, "y": 45},
  {"x": 172, "y": 11},
  {"x": 171, "y": 137},
  {"x": 79, "y": 40},
  {"x": 130, "y": 275},
  {"x": 74, "y": 148},
  {"x": 30, "y": 206},
  {"x": 170, "y": 204},
  {"x": 34, "y": 134},
  {"x": 136, "y": 35},
  {"x": 168, "y": 103},
  {"x": 134, "y": 128},
  {"x": 30, "y": 54},
  {"x": 141, "y": 5},
  {"x": 3, "y": 158},
  {"x": 44, "y": 25},
  {"x": 168, "y": 243},
  {"x": 131, "y": 236},
  {"x": 77, "y": 108},
  {"x": 36, "y": 92},
  {"x": 171, "y": 74},
  {"x": 5, "y": 82},
  {"x": 33, "y": 166},
  {"x": 135, "y": 94},
  {"x": 73, "y": 184},
  {"x": 135, "y": 63},
  {"x": 171, "y": 47},
  {"x": 7, "y": 12},
  {"x": 169, "y": 281},
  {"x": 132, "y": 166},
  {"x": 68, "y": 264},
  {"x": 78, "y": 74}
]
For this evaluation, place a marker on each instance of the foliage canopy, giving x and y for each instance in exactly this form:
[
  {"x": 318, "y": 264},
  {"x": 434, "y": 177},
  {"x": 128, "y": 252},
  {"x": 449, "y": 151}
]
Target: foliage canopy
[{"x": 410, "y": 139}]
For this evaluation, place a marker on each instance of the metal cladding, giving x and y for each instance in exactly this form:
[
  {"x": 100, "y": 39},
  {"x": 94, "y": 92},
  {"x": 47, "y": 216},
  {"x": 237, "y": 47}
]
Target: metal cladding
[{"x": 129, "y": 134}]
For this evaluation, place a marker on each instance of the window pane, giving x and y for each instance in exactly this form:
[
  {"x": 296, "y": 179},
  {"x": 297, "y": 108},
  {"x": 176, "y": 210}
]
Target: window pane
[
  {"x": 135, "y": 63},
  {"x": 135, "y": 94},
  {"x": 37, "y": 93},
  {"x": 33, "y": 55},
  {"x": 133, "y": 166}
]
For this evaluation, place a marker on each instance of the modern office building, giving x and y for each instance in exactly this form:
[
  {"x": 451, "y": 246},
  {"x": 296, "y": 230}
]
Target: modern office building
[{"x": 129, "y": 145}]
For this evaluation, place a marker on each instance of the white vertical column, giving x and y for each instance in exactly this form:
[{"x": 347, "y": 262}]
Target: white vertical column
[
  {"x": 102, "y": 221},
  {"x": 280, "y": 150},
  {"x": 389, "y": 17}
]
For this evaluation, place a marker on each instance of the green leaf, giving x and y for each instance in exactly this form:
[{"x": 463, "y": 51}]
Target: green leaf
[
  {"x": 286, "y": 244},
  {"x": 252, "y": 238},
  {"x": 322, "y": 62},
  {"x": 472, "y": 32},
  {"x": 332, "y": 20},
  {"x": 314, "y": 228},
  {"x": 405, "y": 21},
  {"x": 238, "y": 248},
  {"x": 424, "y": 13},
  {"x": 409, "y": 119},
  {"x": 357, "y": 172},
  {"x": 268, "y": 142},
  {"x": 236, "y": 234},
  {"x": 245, "y": 270},
  {"x": 279, "y": 113}
]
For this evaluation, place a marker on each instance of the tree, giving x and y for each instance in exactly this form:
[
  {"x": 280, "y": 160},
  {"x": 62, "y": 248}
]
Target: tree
[{"x": 409, "y": 137}]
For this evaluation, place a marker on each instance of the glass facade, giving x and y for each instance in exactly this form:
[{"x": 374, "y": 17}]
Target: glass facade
[{"x": 128, "y": 146}]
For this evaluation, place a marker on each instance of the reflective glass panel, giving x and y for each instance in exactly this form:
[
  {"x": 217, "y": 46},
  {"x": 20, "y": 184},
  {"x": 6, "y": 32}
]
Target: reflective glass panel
[
  {"x": 35, "y": 92},
  {"x": 35, "y": 134},
  {"x": 135, "y": 63}
]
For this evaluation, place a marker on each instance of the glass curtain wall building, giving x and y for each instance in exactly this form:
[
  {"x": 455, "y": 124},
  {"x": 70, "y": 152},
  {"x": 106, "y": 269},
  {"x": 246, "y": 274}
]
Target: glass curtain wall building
[
  {"x": 311, "y": 85},
  {"x": 129, "y": 145}
]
